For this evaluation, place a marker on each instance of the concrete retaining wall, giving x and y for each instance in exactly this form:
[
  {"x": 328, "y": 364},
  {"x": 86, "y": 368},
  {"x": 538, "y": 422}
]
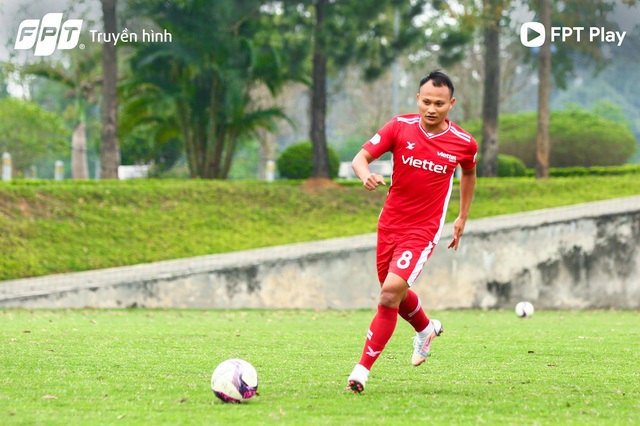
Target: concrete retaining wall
[{"x": 585, "y": 256}]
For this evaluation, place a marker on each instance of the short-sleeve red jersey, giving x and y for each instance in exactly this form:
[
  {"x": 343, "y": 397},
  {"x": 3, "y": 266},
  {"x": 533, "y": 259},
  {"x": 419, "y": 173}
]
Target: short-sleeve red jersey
[{"x": 422, "y": 174}]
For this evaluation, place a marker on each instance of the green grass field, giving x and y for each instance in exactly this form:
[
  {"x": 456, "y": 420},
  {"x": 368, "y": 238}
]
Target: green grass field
[{"x": 153, "y": 367}]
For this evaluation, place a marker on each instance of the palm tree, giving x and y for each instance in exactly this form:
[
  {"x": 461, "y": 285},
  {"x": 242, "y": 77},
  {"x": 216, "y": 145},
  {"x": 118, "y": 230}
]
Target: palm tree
[{"x": 218, "y": 54}]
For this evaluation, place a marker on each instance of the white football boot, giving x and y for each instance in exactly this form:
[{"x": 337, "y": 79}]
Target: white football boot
[
  {"x": 358, "y": 378},
  {"x": 421, "y": 345}
]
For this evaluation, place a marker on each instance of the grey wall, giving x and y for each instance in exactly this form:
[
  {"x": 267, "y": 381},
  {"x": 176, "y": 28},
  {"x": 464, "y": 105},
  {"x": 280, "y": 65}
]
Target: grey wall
[
  {"x": 582, "y": 257},
  {"x": 585, "y": 256}
]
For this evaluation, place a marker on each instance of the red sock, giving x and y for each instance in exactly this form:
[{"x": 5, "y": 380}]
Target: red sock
[
  {"x": 380, "y": 331},
  {"x": 412, "y": 312}
]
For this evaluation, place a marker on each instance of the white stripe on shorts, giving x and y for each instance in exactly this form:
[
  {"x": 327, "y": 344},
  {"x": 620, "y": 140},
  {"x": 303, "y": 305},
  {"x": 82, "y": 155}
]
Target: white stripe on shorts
[{"x": 420, "y": 264}]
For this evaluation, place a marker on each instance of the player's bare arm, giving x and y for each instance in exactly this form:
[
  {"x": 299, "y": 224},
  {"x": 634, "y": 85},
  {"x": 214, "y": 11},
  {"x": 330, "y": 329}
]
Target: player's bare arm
[
  {"x": 361, "y": 168},
  {"x": 467, "y": 187}
]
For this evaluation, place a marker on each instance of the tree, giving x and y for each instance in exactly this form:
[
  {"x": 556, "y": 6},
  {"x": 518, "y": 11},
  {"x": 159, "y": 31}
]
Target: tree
[
  {"x": 318, "y": 132},
  {"x": 148, "y": 129},
  {"x": 489, "y": 21},
  {"x": 492, "y": 10},
  {"x": 4, "y": 93},
  {"x": 31, "y": 135},
  {"x": 343, "y": 33},
  {"x": 219, "y": 51},
  {"x": 544, "y": 94},
  {"x": 109, "y": 149},
  {"x": 561, "y": 65},
  {"x": 79, "y": 74},
  {"x": 571, "y": 13}
]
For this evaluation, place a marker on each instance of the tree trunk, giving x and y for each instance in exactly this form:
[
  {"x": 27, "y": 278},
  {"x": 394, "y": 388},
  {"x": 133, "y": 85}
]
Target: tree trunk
[
  {"x": 267, "y": 154},
  {"x": 544, "y": 94},
  {"x": 109, "y": 147},
  {"x": 491, "y": 96},
  {"x": 189, "y": 141},
  {"x": 319, "y": 96},
  {"x": 231, "y": 146},
  {"x": 79, "y": 166}
]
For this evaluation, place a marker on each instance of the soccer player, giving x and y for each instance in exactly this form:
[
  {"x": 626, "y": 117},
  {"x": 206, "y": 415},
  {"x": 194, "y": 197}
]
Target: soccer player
[{"x": 426, "y": 149}]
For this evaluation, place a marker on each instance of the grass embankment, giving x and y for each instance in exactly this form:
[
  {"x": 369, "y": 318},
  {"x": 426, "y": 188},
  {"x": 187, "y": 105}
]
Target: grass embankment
[{"x": 52, "y": 227}]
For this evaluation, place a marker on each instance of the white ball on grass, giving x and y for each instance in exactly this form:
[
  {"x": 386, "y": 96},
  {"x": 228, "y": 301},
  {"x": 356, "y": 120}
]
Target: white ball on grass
[
  {"x": 524, "y": 309},
  {"x": 235, "y": 381}
]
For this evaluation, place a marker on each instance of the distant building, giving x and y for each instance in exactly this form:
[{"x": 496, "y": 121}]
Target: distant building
[
  {"x": 133, "y": 172},
  {"x": 383, "y": 168}
]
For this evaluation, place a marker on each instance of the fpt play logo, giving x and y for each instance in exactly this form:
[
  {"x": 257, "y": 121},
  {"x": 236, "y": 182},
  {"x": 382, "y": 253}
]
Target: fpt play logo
[
  {"x": 533, "y": 34},
  {"x": 48, "y": 34}
]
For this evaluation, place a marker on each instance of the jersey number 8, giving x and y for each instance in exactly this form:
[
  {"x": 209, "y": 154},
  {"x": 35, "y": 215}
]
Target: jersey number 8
[{"x": 405, "y": 260}]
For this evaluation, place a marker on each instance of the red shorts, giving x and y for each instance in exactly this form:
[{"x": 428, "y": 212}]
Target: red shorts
[{"x": 402, "y": 254}]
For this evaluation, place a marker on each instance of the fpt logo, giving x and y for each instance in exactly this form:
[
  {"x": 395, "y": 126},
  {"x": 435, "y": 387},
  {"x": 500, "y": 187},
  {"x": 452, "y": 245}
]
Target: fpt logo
[{"x": 48, "y": 34}]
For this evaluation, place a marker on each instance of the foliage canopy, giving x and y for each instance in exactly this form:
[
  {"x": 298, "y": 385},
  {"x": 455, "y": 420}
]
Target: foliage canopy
[
  {"x": 205, "y": 76},
  {"x": 32, "y": 135}
]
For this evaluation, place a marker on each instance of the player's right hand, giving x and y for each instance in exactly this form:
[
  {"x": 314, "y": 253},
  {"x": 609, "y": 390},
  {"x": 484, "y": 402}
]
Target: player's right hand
[{"x": 373, "y": 180}]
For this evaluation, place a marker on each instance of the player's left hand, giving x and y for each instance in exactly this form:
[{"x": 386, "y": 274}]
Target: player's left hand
[
  {"x": 454, "y": 243},
  {"x": 458, "y": 230}
]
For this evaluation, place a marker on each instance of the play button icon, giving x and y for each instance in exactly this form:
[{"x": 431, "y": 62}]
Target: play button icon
[{"x": 538, "y": 31}]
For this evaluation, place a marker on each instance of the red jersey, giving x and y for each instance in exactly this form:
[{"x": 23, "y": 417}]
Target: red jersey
[{"x": 423, "y": 171}]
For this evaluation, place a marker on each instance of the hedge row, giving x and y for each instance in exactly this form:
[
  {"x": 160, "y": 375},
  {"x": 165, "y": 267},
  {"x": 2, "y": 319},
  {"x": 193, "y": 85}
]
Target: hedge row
[
  {"x": 627, "y": 169},
  {"x": 577, "y": 139}
]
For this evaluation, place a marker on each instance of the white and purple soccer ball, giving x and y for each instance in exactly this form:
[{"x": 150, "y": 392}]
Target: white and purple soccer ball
[
  {"x": 234, "y": 381},
  {"x": 524, "y": 309}
]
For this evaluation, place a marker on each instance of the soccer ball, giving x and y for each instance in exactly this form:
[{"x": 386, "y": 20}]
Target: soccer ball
[
  {"x": 235, "y": 381},
  {"x": 524, "y": 309}
]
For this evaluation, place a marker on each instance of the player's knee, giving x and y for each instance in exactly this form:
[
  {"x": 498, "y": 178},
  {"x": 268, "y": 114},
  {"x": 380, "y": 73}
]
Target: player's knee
[
  {"x": 393, "y": 291},
  {"x": 390, "y": 297}
]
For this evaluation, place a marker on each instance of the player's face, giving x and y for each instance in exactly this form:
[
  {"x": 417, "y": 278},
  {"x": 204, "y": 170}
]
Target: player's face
[{"x": 434, "y": 104}]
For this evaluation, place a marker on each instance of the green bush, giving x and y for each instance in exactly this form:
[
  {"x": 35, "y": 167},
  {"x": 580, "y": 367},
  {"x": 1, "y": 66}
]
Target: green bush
[
  {"x": 508, "y": 166},
  {"x": 578, "y": 138},
  {"x": 296, "y": 162}
]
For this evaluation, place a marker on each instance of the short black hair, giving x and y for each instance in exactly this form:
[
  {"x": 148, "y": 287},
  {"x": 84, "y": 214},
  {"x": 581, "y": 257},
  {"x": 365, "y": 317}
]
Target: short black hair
[{"x": 438, "y": 79}]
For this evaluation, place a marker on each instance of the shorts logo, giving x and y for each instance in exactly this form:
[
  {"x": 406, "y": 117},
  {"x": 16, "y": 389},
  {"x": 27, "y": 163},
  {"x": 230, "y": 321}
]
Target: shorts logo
[{"x": 48, "y": 34}]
